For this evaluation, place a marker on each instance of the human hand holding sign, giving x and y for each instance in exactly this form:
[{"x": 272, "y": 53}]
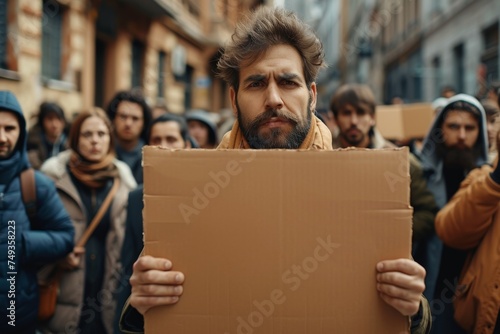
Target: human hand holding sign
[
  {"x": 154, "y": 284},
  {"x": 400, "y": 284}
]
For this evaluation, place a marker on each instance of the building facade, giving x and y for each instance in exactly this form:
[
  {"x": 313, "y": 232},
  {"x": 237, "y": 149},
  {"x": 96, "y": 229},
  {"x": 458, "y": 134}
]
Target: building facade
[
  {"x": 412, "y": 49},
  {"x": 79, "y": 53},
  {"x": 461, "y": 45}
]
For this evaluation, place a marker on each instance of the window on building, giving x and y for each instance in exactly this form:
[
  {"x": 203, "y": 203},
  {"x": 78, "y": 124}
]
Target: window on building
[
  {"x": 3, "y": 33},
  {"x": 416, "y": 68},
  {"x": 137, "y": 63},
  {"x": 188, "y": 87},
  {"x": 162, "y": 57},
  {"x": 52, "y": 37},
  {"x": 437, "y": 76},
  {"x": 489, "y": 56},
  {"x": 459, "y": 67}
]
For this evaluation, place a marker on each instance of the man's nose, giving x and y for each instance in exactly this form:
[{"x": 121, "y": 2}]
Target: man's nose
[
  {"x": 128, "y": 121},
  {"x": 354, "y": 119},
  {"x": 273, "y": 97},
  {"x": 3, "y": 136},
  {"x": 461, "y": 134}
]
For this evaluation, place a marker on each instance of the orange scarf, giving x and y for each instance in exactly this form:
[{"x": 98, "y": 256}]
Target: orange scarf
[
  {"x": 319, "y": 137},
  {"x": 93, "y": 174}
]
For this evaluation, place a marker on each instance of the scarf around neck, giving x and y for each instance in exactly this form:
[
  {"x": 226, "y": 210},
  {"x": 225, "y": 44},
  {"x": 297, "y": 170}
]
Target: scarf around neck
[{"x": 93, "y": 174}]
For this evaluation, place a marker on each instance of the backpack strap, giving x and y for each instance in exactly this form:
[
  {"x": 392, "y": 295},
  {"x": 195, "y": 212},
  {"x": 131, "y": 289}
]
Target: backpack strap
[{"x": 28, "y": 191}]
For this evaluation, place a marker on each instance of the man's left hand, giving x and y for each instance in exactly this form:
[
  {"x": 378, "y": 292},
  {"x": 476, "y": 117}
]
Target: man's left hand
[{"x": 400, "y": 284}]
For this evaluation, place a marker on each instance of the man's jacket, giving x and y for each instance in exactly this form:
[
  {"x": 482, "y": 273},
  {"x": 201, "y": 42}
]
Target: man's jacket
[
  {"x": 25, "y": 246},
  {"x": 471, "y": 221}
]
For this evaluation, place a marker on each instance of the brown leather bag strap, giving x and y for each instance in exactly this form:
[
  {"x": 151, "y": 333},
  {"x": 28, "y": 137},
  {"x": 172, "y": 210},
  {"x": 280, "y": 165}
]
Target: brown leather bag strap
[
  {"x": 28, "y": 191},
  {"x": 97, "y": 218}
]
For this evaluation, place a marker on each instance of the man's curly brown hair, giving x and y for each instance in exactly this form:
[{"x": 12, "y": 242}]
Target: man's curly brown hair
[{"x": 267, "y": 27}]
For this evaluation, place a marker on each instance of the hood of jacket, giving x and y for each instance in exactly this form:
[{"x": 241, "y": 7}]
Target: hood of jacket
[
  {"x": 203, "y": 117},
  {"x": 8, "y": 102},
  {"x": 429, "y": 155}
]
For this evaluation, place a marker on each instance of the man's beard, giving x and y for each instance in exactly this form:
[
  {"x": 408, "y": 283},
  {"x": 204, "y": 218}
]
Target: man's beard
[
  {"x": 275, "y": 138},
  {"x": 459, "y": 158},
  {"x": 353, "y": 141}
]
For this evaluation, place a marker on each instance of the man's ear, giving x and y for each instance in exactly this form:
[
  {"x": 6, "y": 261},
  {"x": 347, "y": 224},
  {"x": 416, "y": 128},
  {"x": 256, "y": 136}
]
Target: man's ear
[
  {"x": 313, "y": 93},
  {"x": 232, "y": 95}
]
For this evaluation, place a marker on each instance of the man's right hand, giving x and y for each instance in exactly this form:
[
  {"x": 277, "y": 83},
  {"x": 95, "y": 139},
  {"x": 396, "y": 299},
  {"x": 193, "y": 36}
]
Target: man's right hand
[{"x": 153, "y": 283}]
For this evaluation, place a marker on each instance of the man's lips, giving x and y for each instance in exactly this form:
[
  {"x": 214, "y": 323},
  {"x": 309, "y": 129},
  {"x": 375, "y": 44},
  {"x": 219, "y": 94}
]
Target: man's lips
[
  {"x": 353, "y": 131},
  {"x": 274, "y": 122}
]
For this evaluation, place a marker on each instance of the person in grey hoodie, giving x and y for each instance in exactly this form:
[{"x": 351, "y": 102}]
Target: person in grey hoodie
[
  {"x": 456, "y": 143},
  {"x": 25, "y": 246}
]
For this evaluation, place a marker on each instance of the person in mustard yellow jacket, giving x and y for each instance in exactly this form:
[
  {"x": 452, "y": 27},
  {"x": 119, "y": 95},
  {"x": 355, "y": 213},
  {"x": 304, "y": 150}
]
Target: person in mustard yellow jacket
[{"x": 471, "y": 221}]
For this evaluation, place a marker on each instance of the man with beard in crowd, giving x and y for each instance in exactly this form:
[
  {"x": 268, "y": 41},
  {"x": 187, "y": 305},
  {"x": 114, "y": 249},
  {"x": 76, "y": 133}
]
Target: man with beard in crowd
[
  {"x": 271, "y": 65},
  {"x": 456, "y": 143},
  {"x": 353, "y": 108}
]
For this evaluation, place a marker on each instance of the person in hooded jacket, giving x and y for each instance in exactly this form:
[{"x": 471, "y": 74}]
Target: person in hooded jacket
[
  {"x": 202, "y": 129},
  {"x": 49, "y": 135},
  {"x": 456, "y": 143},
  {"x": 25, "y": 246},
  {"x": 84, "y": 176},
  {"x": 471, "y": 221}
]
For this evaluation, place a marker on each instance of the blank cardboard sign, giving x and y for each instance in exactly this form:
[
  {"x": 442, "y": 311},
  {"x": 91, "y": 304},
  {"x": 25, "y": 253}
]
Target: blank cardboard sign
[{"x": 277, "y": 241}]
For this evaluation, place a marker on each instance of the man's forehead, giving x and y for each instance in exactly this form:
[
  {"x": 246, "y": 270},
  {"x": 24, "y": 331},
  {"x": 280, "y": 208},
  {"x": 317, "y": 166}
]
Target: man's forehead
[
  {"x": 167, "y": 127},
  {"x": 8, "y": 116},
  {"x": 276, "y": 60},
  {"x": 457, "y": 115},
  {"x": 129, "y": 106}
]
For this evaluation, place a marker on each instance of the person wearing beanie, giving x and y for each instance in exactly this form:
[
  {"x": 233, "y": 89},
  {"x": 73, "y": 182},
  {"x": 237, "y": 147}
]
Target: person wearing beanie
[
  {"x": 456, "y": 143},
  {"x": 202, "y": 129},
  {"x": 26, "y": 245},
  {"x": 49, "y": 135}
]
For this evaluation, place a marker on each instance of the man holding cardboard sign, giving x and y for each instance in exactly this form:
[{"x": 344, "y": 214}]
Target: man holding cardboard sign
[{"x": 271, "y": 66}]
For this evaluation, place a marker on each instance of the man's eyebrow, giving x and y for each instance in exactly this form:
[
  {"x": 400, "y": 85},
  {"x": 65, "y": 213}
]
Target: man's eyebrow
[
  {"x": 289, "y": 76},
  {"x": 254, "y": 77}
]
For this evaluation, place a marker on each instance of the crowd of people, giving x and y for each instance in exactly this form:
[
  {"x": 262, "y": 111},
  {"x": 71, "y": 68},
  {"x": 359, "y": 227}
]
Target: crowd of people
[{"x": 89, "y": 170}]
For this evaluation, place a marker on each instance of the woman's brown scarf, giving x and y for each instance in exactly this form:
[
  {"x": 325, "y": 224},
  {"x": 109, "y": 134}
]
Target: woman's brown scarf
[{"x": 93, "y": 174}]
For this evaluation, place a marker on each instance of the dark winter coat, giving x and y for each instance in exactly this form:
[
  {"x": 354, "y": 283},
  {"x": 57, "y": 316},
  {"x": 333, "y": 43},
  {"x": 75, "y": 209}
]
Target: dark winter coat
[{"x": 25, "y": 247}]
